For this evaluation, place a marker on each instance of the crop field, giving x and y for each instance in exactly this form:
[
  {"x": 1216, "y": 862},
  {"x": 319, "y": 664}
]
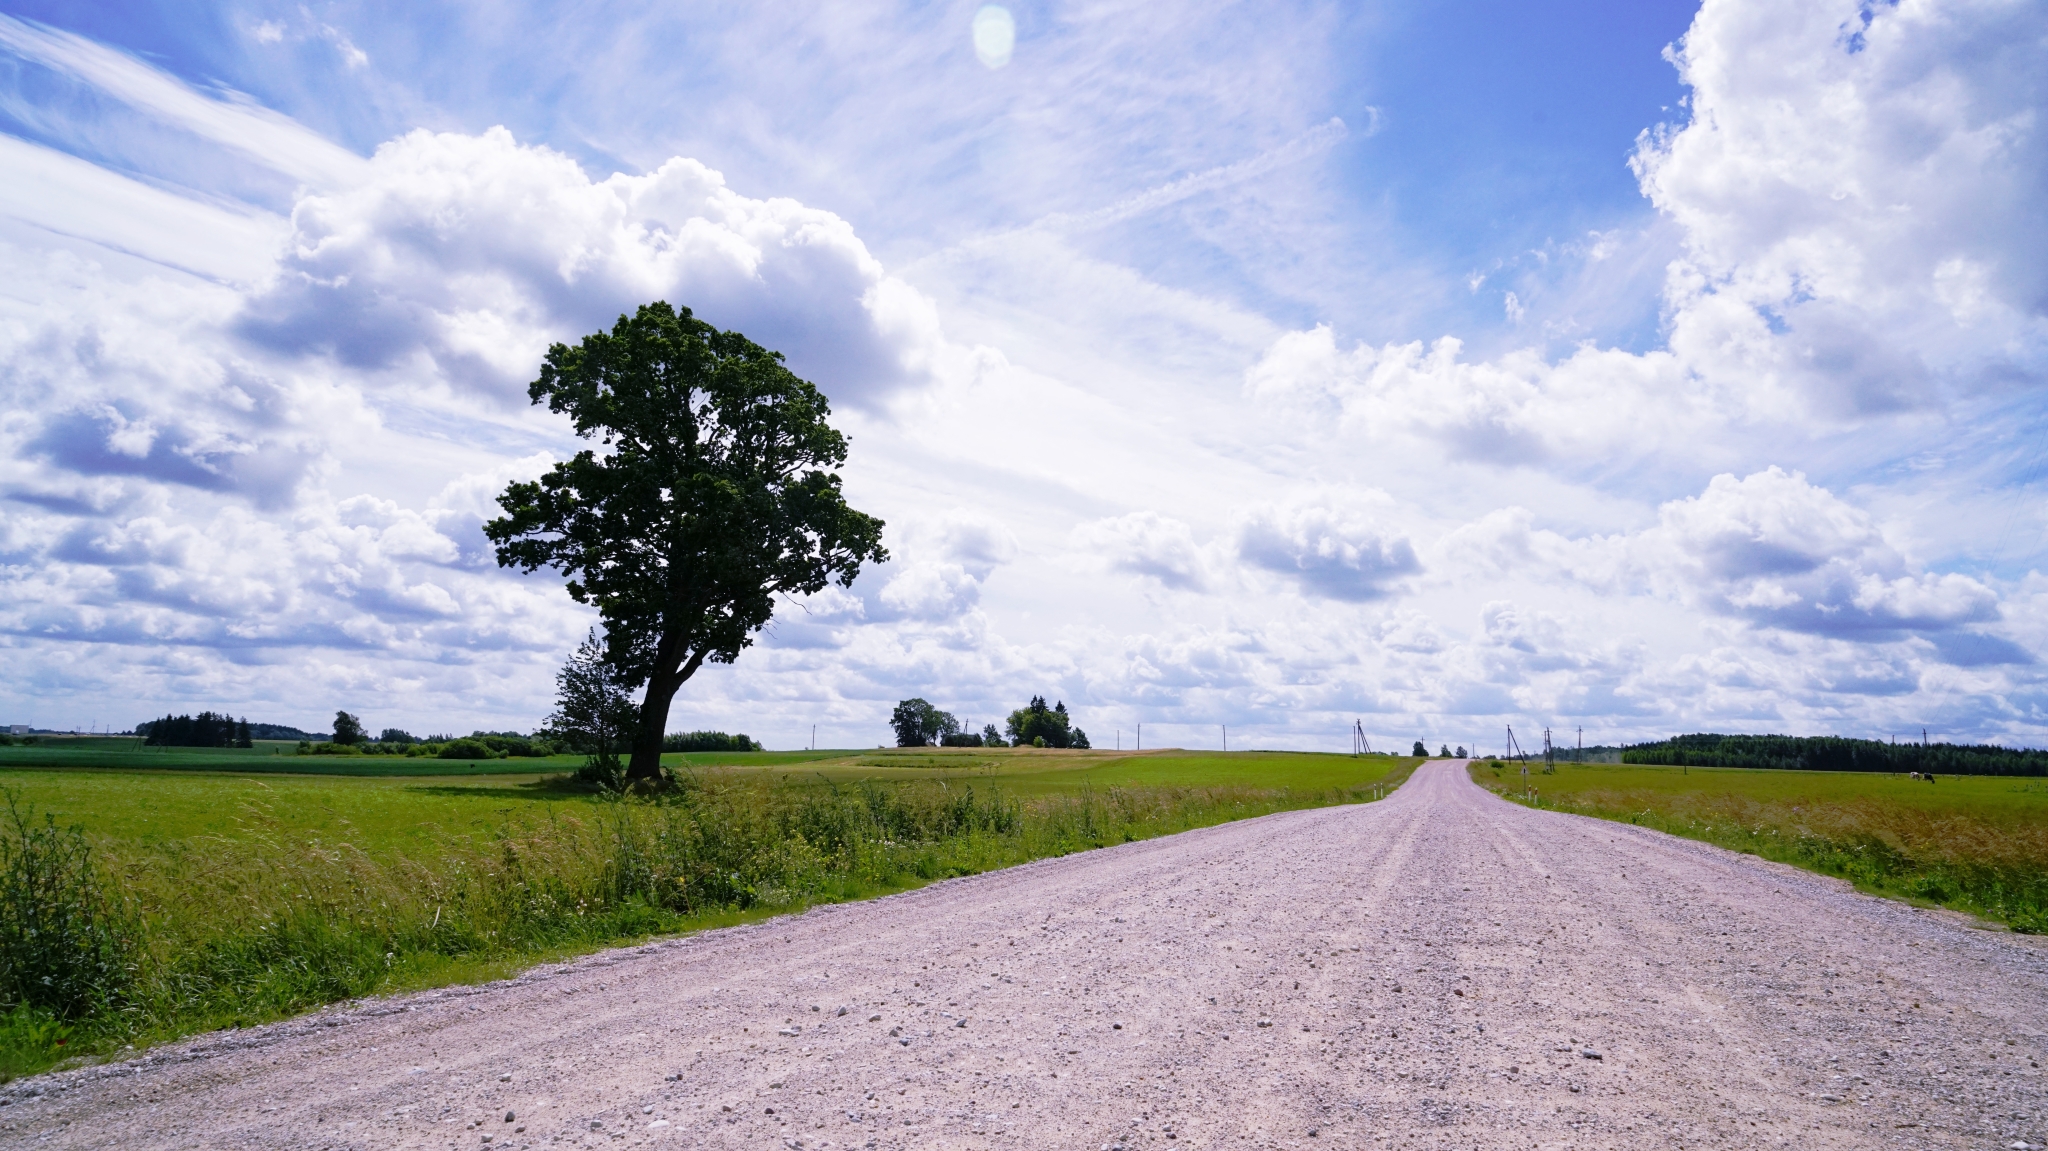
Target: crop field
[
  {"x": 1973, "y": 843},
  {"x": 230, "y": 897}
]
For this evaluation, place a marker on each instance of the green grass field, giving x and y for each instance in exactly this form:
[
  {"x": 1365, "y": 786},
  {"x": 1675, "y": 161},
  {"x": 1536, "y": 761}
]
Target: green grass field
[
  {"x": 379, "y": 811},
  {"x": 276, "y": 757},
  {"x": 1974, "y": 843},
  {"x": 248, "y": 895},
  {"x": 1027, "y": 771}
]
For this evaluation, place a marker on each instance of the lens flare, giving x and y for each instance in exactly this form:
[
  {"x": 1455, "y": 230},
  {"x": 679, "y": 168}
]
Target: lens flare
[{"x": 995, "y": 35}]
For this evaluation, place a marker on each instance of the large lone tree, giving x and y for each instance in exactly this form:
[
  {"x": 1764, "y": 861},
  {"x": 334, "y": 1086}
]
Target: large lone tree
[{"x": 718, "y": 491}]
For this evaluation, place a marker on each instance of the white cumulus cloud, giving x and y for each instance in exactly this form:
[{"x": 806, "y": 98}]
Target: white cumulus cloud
[{"x": 464, "y": 257}]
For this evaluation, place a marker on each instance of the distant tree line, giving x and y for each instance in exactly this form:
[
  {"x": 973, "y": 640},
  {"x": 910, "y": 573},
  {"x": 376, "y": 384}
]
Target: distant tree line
[
  {"x": 1834, "y": 753},
  {"x": 352, "y": 738},
  {"x": 707, "y": 741},
  {"x": 579, "y": 731},
  {"x": 207, "y": 729},
  {"x": 919, "y": 724},
  {"x": 280, "y": 731},
  {"x": 207, "y": 725}
]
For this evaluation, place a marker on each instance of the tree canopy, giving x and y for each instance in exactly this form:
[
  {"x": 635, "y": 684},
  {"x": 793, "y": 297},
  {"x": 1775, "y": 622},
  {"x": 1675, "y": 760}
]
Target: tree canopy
[
  {"x": 1035, "y": 721},
  {"x": 919, "y": 724},
  {"x": 348, "y": 730},
  {"x": 717, "y": 492}
]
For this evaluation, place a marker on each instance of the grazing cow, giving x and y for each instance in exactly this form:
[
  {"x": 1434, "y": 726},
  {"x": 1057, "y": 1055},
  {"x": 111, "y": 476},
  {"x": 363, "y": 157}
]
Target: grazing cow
[
  {"x": 1912, "y": 775},
  {"x": 1928, "y": 776}
]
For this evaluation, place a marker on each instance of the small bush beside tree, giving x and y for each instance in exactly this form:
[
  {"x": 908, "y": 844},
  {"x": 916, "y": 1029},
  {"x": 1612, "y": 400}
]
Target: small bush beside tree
[{"x": 594, "y": 716}]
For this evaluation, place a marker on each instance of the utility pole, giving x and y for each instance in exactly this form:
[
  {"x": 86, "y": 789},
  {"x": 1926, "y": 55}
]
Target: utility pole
[
  {"x": 1581, "y": 757},
  {"x": 1226, "y": 737},
  {"x": 814, "y": 737},
  {"x": 1549, "y": 759},
  {"x": 1141, "y": 737}
]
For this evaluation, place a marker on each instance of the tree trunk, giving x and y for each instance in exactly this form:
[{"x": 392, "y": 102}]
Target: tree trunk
[{"x": 661, "y": 689}]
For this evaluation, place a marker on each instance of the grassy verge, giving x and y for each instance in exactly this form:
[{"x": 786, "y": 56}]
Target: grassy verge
[
  {"x": 1974, "y": 843},
  {"x": 236, "y": 899}
]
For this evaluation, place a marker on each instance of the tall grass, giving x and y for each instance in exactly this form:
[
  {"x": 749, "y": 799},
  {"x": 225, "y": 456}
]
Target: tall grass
[{"x": 236, "y": 931}]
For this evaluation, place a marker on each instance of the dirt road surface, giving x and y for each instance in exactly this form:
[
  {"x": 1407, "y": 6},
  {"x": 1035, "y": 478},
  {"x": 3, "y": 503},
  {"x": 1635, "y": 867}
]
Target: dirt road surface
[{"x": 1439, "y": 969}]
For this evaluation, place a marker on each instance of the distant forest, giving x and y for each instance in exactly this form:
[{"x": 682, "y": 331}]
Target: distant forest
[
  {"x": 1833, "y": 753},
  {"x": 203, "y": 730},
  {"x": 210, "y": 730}
]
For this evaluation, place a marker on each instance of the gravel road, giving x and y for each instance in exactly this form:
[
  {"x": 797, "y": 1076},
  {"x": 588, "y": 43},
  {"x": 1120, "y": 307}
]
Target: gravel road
[{"x": 1439, "y": 969}]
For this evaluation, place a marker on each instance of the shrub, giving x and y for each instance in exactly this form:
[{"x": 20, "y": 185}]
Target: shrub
[
  {"x": 961, "y": 739},
  {"x": 63, "y": 944},
  {"x": 606, "y": 773},
  {"x": 325, "y": 748},
  {"x": 510, "y": 743},
  {"x": 466, "y": 748},
  {"x": 594, "y": 714}
]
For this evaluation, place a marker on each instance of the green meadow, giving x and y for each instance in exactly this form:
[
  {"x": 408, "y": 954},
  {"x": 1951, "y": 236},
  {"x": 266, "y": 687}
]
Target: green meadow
[
  {"x": 250, "y": 886},
  {"x": 278, "y": 757},
  {"x": 1974, "y": 843}
]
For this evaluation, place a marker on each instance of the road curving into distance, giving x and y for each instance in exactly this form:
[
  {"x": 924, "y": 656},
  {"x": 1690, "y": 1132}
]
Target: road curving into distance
[{"x": 1439, "y": 969}]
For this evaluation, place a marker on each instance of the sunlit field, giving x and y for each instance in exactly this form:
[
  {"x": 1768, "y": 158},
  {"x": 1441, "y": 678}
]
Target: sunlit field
[{"x": 1975, "y": 843}]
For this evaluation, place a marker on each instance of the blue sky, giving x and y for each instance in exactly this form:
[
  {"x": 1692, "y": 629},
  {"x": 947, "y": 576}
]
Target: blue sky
[{"x": 1650, "y": 367}]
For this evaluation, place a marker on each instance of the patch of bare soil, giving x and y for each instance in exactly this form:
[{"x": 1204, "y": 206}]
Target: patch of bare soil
[{"x": 1440, "y": 969}]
